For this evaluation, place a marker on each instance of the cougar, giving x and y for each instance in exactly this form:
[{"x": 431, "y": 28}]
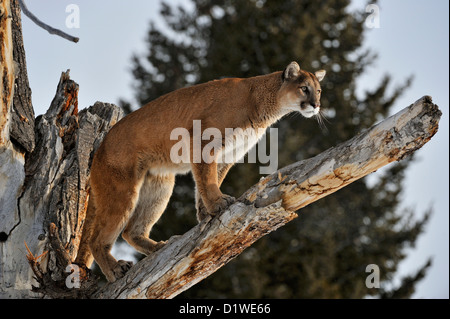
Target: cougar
[{"x": 132, "y": 174}]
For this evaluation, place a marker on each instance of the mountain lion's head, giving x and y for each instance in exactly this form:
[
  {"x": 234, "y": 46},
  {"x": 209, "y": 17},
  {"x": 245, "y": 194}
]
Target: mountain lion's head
[{"x": 302, "y": 90}]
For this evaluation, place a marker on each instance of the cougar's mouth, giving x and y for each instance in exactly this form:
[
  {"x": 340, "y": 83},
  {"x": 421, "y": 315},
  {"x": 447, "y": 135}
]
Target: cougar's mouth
[{"x": 307, "y": 110}]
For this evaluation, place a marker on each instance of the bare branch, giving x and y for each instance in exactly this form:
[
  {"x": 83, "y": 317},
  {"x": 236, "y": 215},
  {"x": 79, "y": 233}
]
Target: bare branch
[{"x": 44, "y": 26}]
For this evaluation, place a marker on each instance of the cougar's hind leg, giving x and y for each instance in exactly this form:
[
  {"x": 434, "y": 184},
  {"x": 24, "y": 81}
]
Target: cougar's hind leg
[
  {"x": 114, "y": 205},
  {"x": 84, "y": 255},
  {"x": 153, "y": 198}
]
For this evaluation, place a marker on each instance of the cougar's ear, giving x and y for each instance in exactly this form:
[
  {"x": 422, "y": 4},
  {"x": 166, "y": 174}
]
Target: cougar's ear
[
  {"x": 291, "y": 72},
  {"x": 320, "y": 74}
]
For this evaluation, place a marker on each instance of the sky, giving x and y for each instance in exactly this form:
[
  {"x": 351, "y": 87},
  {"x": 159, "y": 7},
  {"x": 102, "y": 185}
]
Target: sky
[{"x": 410, "y": 38}]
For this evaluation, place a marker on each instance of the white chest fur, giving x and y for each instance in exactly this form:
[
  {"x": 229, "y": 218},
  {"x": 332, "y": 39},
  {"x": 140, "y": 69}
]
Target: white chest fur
[{"x": 238, "y": 142}]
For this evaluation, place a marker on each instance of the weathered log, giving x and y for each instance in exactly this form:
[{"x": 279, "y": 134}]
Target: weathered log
[{"x": 271, "y": 203}]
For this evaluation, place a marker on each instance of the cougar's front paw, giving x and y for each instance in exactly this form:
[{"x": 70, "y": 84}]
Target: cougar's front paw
[
  {"x": 221, "y": 204},
  {"x": 202, "y": 212},
  {"x": 160, "y": 245},
  {"x": 121, "y": 268}
]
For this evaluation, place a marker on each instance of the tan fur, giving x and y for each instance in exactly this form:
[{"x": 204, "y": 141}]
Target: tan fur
[{"x": 132, "y": 175}]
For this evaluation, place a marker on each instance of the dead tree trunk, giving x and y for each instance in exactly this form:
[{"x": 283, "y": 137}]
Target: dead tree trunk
[
  {"x": 44, "y": 181},
  {"x": 53, "y": 187},
  {"x": 44, "y": 163}
]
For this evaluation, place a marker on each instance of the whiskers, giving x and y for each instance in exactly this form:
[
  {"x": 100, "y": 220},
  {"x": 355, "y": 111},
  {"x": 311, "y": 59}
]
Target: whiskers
[{"x": 321, "y": 119}]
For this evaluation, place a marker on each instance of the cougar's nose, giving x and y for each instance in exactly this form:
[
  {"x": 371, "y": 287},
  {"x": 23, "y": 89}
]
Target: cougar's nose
[{"x": 317, "y": 105}]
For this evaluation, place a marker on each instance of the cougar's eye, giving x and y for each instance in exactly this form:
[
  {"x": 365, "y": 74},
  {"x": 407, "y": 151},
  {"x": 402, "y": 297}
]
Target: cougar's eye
[{"x": 304, "y": 88}]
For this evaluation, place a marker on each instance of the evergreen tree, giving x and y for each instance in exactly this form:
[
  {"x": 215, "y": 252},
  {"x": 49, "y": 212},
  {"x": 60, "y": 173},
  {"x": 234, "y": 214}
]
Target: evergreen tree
[{"x": 324, "y": 253}]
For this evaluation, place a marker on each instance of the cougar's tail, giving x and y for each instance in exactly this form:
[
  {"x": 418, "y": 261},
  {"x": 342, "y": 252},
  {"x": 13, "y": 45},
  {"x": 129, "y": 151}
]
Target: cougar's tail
[{"x": 84, "y": 255}]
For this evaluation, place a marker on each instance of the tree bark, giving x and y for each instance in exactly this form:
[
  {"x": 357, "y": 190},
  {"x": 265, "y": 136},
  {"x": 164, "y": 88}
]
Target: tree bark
[
  {"x": 22, "y": 115},
  {"x": 12, "y": 159},
  {"x": 44, "y": 188},
  {"x": 55, "y": 188}
]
